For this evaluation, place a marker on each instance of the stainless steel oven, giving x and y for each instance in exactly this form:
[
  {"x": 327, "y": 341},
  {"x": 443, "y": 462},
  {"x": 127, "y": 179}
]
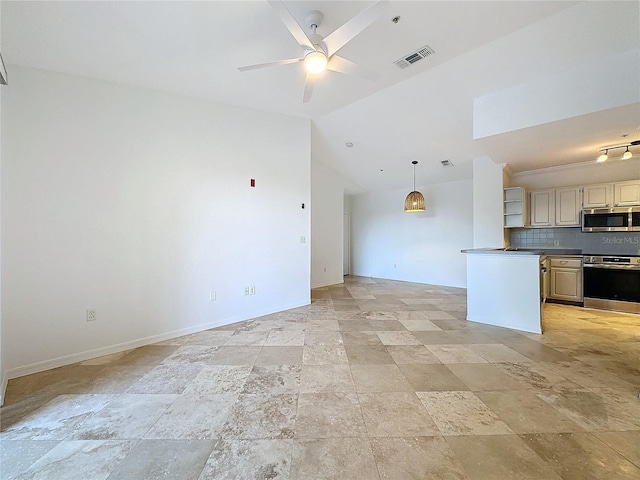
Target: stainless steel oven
[{"x": 612, "y": 283}]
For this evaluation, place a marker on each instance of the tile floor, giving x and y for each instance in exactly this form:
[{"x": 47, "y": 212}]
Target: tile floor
[{"x": 375, "y": 379}]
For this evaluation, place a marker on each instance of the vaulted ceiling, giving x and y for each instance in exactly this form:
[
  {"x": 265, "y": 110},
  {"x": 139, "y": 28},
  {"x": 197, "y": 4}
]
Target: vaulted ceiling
[{"x": 423, "y": 112}]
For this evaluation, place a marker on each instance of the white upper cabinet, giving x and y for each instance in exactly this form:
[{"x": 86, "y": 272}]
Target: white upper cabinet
[
  {"x": 626, "y": 193},
  {"x": 619, "y": 194},
  {"x": 556, "y": 208},
  {"x": 568, "y": 206},
  {"x": 542, "y": 208},
  {"x": 597, "y": 196}
]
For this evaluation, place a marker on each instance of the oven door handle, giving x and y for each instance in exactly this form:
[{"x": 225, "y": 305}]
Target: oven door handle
[{"x": 612, "y": 267}]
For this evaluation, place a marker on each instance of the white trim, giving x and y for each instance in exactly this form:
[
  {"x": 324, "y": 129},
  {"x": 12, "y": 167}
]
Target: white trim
[
  {"x": 568, "y": 166},
  {"x": 119, "y": 347}
]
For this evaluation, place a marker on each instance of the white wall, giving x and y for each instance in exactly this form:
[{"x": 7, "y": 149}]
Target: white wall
[
  {"x": 416, "y": 247},
  {"x": 488, "y": 218},
  {"x": 327, "y": 210},
  {"x": 137, "y": 204},
  {"x": 3, "y": 378}
]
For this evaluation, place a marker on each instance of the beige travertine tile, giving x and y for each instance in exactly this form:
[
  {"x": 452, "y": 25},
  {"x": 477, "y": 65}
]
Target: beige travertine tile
[
  {"x": 279, "y": 356},
  {"x": 58, "y": 419},
  {"x": 219, "y": 379},
  {"x": 80, "y": 459},
  {"x": 379, "y": 378},
  {"x": 250, "y": 337},
  {"x": 425, "y": 378},
  {"x": 167, "y": 378},
  {"x": 483, "y": 376},
  {"x": 625, "y": 443},
  {"x": 411, "y": 354},
  {"x": 329, "y": 337},
  {"x": 333, "y": 414},
  {"x": 395, "y": 414},
  {"x": 409, "y": 458},
  {"x": 239, "y": 385},
  {"x": 235, "y": 355},
  {"x": 360, "y": 337},
  {"x": 419, "y": 325},
  {"x": 497, "y": 352},
  {"x": 491, "y": 457},
  {"x": 273, "y": 379},
  {"x": 127, "y": 416},
  {"x": 194, "y": 417},
  {"x": 455, "y": 354},
  {"x": 260, "y": 458},
  {"x": 524, "y": 412},
  {"x": 324, "y": 355},
  {"x": 326, "y": 378},
  {"x": 255, "y": 416},
  {"x": 398, "y": 338},
  {"x": 581, "y": 456},
  {"x": 282, "y": 337},
  {"x": 462, "y": 413},
  {"x": 333, "y": 458},
  {"x": 164, "y": 459},
  {"x": 18, "y": 455}
]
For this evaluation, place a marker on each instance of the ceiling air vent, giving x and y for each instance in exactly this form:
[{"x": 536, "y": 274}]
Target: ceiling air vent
[
  {"x": 413, "y": 57},
  {"x": 446, "y": 163}
]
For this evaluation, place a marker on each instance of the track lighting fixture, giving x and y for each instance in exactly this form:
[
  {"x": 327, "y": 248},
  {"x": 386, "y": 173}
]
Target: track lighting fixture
[{"x": 604, "y": 152}]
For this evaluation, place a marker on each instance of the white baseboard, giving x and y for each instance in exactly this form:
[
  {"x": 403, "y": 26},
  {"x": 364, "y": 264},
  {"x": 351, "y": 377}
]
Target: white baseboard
[{"x": 119, "y": 347}]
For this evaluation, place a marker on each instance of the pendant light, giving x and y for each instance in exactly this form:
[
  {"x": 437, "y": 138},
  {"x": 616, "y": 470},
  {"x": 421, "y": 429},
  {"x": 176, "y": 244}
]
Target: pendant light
[{"x": 414, "y": 201}]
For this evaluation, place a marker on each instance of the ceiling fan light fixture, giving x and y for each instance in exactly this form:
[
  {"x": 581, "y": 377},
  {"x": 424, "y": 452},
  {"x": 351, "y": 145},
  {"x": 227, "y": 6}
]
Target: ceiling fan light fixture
[{"x": 315, "y": 62}]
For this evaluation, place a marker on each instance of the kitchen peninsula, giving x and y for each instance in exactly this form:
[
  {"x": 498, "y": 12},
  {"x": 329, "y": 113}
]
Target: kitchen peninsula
[{"x": 504, "y": 286}]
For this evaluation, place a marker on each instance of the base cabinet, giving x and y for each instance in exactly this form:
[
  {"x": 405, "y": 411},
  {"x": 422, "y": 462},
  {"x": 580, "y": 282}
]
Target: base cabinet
[{"x": 566, "y": 279}]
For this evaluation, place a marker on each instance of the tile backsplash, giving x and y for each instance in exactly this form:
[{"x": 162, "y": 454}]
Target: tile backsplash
[{"x": 613, "y": 243}]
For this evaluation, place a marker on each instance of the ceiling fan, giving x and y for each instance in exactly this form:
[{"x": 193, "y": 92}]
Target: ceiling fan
[{"x": 320, "y": 52}]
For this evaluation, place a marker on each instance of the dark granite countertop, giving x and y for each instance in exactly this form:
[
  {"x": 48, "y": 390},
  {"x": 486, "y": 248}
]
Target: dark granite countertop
[{"x": 525, "y": 251}]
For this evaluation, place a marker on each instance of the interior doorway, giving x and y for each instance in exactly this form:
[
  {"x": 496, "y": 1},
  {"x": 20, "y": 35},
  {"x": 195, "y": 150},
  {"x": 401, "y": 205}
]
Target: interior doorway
[{"x": 346, "y": 245}]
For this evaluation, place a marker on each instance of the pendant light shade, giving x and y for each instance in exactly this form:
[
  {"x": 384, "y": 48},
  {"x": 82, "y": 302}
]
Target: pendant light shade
[{"x": 415, "y": 200}]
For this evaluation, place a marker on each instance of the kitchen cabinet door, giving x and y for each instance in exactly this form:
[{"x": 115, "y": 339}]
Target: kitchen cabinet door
[
  {"x": 566, "y": 284},
  {"x": 597, "y": 196},
  {"x": 542, "y": 208},
  {"x": 626, "y": 193},
  {"x": 568, "y": 204}
]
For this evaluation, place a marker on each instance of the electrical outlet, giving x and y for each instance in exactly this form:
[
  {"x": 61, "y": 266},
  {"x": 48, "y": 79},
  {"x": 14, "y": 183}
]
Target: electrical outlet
[
  {"x": 252, "y": 291},
  {"x": 212, "y": 296},
  {"x": 556, "y": 243},
  {"x": 303, "y": 239},
  {"x": 246, "y": 290},
  {"x": 91, "y": 316}
]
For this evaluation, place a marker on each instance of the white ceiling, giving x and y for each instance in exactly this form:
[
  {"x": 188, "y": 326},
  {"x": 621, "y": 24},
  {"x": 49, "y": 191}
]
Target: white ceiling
[{"x": 423, "y": 112}]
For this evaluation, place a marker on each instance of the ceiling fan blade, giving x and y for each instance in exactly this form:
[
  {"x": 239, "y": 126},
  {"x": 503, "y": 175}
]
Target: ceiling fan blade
[
  {"x": 339, "y": 38},
  {"x": 291, "y": 24},
  {"x": 342, "y": 65},
  {"x": 270, "y": 64},
  {"x": 309, "y": 82}
]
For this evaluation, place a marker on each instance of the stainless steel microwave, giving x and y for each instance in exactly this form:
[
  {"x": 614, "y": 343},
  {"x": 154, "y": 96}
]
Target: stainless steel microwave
[{"x": 620, "y": 219}]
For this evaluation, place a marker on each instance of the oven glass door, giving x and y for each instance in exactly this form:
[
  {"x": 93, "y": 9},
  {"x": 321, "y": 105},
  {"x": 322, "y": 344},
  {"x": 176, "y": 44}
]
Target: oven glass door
[{"x": 612, "y": 283}]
